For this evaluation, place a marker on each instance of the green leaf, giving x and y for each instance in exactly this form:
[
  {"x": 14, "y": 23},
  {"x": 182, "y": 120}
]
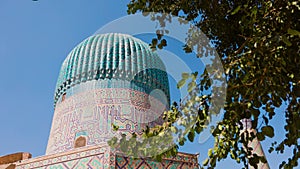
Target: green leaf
[
  {"x": 198, "y": 129},
  {"x": 112, "y": 142},
  {"x": 233, "y": 154},
  {"x": 154, "y": 42},
  {"x": 286, "y": 41},
  {"x": 263, "y": 160},
  {"x": 255, "y": 113},
  {"x": 173, "y": 129},
  {"x": 115, "y": 127},
  {"x": 187, "y": 49},
  {"x": 205, "y": 162},
  {"x": 124, "y": 146},
  {"x": 268, "y": 131},
  {"x": 260, "y": 136},
  {"x": 160, "y": 46},
  {"x": 181, "y": 142},
  {"x": 191, "y": 136},
  {"x": 164, "y": 42},
  {"x": 236, "y": 10},
  {"x": 253, "y": 162},
  {"x": 194, "y": 75},
  {"x": 210, "y": 152},
  {"x": 191, "y": 86},
  {"x": 185, "y": 75},
  {"x": 213, "y": 162},
  {"x": 158, "y": 158},
  {"x": 181, "y": 83},
  {"x": 293, "y": 32}
]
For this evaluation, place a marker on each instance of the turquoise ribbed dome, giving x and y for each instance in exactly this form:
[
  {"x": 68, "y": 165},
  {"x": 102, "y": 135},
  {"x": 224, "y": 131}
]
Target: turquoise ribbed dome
[{"x": 113, "y": 56}]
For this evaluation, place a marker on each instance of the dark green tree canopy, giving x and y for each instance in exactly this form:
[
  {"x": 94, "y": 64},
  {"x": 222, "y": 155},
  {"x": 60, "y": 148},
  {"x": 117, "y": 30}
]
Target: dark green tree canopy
[{"x": 258, "y": 43}]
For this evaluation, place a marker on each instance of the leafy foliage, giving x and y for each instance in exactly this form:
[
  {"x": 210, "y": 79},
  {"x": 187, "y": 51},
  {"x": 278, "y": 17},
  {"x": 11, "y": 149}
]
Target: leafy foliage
[{"x": 258, "y": 43}]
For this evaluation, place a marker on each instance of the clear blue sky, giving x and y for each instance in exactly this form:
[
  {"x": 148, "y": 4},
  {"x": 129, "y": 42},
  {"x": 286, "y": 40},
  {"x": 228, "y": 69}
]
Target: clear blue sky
[{"x": 35, "y": 37}]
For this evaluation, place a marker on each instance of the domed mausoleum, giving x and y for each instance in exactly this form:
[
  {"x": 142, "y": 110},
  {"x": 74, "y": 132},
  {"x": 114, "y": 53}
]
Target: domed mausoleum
[{"x": 106, "y": 79}]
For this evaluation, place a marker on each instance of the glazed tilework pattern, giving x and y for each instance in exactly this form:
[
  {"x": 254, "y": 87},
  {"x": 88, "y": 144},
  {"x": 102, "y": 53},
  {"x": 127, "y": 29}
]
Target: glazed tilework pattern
[
  {"x": 112, "y": 56},
  {"x": 101, "y": 157},
  {"x": 178, "y": 162},
  {"x": 92, "y": 113},
  {"x": 88, "y": 159}
]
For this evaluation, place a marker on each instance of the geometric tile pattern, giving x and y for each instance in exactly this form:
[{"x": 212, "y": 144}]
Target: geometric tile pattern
[
  {"x": 82, "y": 159},
  {"x": 181, "y": 161},
  {"x": 112, "y": 56},
  {"x": 101, "y": 157},
  {"x": 91, "y": 114}
]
